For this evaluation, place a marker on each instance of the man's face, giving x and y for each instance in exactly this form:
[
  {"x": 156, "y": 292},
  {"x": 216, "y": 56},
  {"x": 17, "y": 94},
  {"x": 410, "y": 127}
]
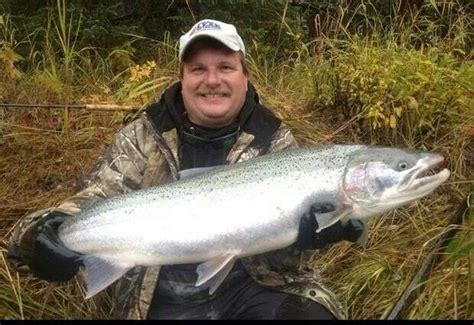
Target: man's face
[{"x": 214, "y": 87}]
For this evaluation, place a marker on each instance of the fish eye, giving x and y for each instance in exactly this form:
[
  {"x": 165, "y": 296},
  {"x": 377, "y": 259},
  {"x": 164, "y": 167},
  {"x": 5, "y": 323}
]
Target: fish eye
[{"x": 402, "y": 165}]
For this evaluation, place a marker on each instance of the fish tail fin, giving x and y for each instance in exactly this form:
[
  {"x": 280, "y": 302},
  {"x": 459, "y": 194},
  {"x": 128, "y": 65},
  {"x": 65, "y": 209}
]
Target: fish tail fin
[{"x": 99, "y": 273}]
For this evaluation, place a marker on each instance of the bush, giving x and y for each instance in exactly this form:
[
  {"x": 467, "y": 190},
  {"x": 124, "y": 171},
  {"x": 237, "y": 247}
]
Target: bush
[{"x": 397, "y": 88}]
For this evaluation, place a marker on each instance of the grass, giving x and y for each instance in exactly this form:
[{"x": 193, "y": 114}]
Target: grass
[
  {"x": 345, "y": 92},
  {"x": 369, "y": 280},
  {"x": 38, "y": 174}
]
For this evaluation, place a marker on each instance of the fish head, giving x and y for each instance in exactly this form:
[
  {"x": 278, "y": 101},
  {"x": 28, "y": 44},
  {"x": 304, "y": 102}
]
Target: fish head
[{"x": 380, "y": 179}]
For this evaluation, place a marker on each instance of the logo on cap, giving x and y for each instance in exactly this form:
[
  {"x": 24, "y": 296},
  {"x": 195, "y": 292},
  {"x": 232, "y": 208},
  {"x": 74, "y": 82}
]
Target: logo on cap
[{"x": 205, "y": 25}]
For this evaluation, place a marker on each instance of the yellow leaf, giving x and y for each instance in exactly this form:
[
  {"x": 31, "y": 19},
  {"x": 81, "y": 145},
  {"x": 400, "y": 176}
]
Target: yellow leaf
[
  {"x": 398, "y": 111},
  {"x": 393, "y": 121},
  {"x": 412, "y": 103}
]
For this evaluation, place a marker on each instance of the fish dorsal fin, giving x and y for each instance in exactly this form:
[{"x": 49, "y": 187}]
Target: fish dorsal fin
[
  {"x": 100, "y": 273},
  {"x": 186, "y": 173},
  {"x": 212, "y": 273}
]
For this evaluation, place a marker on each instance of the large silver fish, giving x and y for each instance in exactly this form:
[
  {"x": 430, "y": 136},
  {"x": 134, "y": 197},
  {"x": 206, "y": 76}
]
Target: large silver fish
[{"x": 244, "y": 209}]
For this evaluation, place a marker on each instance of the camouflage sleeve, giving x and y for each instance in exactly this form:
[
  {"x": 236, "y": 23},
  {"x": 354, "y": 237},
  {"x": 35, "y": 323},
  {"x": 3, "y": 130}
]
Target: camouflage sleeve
[
  {"x": 118, "y": 170},
  {"x": 282, "y": 139}
]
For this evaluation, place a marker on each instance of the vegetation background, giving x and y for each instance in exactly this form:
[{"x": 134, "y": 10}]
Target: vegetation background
[{"x": 391, "y": 72}]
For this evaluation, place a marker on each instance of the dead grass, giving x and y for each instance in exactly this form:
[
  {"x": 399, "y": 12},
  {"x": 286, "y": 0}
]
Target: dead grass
[{"x": 41, "y": 166}]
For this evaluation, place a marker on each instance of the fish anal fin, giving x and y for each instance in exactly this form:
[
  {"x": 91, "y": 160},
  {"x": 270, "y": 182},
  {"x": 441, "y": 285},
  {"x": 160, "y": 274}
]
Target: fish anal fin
[
  {"x": 99, "y": 273},
  {"x": 213, "y": 272}
]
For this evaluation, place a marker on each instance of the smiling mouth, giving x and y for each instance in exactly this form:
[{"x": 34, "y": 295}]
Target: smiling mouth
[
  {"x": 218, "y": 95},
  {"x": 213, "y": 95}
]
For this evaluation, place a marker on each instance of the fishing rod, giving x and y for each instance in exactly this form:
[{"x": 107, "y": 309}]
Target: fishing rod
[
  {"x": 89, "y": 107},
  {"x": 430, "y": 260}
]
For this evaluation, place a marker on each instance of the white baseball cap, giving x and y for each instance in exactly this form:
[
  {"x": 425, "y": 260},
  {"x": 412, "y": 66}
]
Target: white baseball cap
[{"x": 224, "y": 33}]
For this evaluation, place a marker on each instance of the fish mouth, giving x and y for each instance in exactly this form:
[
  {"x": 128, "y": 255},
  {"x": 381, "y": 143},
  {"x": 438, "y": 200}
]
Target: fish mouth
[
  {"x": 424, "y": 177},
  {"x": 418, "y": 182}
]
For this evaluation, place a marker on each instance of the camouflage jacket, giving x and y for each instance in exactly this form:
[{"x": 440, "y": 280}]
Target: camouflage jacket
[{"x": 145, "y": 153}]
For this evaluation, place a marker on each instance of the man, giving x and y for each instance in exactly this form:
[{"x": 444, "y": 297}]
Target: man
[{"x": 212, "y": 116}]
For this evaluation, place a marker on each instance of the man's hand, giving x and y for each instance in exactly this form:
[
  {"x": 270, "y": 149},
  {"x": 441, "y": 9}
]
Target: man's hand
[
  {"x": 308, "y": 238},
  {"x": 41, "y": 249}
]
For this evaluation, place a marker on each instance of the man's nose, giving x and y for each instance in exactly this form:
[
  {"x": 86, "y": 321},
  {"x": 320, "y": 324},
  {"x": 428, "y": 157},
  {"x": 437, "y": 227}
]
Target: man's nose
[{"x": 212, "y": 77}]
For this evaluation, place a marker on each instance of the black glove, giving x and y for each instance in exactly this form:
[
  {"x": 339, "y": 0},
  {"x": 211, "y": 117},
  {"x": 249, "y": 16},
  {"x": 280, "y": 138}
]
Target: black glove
[
  {"x": 308, "y": 238},
  {"x": 44, "y": 253}
]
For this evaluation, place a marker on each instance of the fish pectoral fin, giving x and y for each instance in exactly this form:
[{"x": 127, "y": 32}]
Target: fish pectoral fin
[
  {"x": 328, "y": 219},
  {"x": 213, "y": 272},
  {"x": 99, "y": 273}
]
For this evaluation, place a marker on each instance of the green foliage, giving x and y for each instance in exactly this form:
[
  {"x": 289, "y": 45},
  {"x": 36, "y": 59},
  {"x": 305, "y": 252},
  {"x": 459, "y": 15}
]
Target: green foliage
[
  {"x": 66, "y": 36},
  {"x": 395, "y": 87}
]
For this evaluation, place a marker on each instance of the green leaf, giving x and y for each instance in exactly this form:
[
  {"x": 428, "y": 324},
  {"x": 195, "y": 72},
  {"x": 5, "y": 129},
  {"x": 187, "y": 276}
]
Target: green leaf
[{"x": 460, "y": 247}]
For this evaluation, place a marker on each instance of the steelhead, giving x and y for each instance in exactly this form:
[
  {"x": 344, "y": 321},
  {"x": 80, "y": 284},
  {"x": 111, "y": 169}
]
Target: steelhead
[{"x": 249, "y": 208}]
